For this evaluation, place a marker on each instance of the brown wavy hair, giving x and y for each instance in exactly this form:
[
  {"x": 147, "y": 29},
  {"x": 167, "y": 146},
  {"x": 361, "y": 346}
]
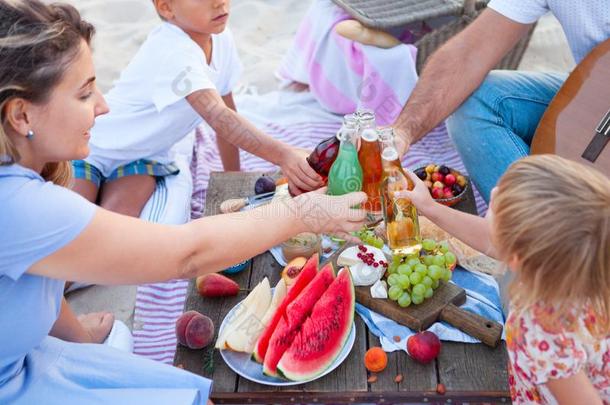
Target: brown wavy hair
[
  {"x": 38, "y": 42},
  {"x": 553, "y": 216}
]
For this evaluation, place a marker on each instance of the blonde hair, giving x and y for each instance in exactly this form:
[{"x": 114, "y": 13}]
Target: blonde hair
[
  {"x": 37, "y": 44},
  {"x": 553, "y": 216}
]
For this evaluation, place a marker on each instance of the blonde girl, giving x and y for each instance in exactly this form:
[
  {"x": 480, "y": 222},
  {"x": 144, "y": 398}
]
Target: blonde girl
[{"x": 549, "y": 221}]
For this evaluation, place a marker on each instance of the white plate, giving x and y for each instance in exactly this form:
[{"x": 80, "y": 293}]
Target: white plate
[{"x": 243, "y": 364}]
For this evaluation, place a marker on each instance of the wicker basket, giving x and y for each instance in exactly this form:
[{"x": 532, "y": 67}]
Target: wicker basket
[{"x": 388, "y": 14}]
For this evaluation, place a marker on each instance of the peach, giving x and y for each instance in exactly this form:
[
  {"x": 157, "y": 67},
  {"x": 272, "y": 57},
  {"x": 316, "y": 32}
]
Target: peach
[
  {"x": 181, "y": 324},
  {"x": 423, "y": 346},
  {"x": 194, "y": 330}
]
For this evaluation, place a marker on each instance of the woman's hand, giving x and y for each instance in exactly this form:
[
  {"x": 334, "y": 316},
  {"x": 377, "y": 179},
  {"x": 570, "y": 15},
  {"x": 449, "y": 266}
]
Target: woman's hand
[
  {"x": 321, "y": 213},
  {"x": 419, "y": 196},
  {"x": 301, "y": 177}
]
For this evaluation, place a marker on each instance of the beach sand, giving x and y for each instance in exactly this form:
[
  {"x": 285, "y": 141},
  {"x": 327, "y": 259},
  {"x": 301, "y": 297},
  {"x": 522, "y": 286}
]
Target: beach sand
[{"x": 263, "y": 31}]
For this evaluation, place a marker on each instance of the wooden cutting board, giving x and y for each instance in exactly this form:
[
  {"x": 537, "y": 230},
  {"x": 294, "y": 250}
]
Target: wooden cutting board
[{"x": 442, "y": 306}]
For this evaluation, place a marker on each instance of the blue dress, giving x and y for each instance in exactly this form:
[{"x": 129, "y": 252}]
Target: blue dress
[{"x": 38, "y": 218}]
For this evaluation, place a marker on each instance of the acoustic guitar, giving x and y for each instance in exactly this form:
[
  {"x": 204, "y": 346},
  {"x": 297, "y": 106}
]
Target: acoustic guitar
[{"x": 576, "y": 124}]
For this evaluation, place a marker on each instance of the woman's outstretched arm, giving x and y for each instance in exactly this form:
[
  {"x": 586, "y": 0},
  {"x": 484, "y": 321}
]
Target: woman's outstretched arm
[{"x": 115, "y": 249}]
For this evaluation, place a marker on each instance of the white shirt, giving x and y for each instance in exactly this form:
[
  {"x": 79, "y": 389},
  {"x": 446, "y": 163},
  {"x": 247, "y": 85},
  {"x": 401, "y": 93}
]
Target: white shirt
[
  {"x": 148, "y": 108},
  {"x": 586, "y": 23}
]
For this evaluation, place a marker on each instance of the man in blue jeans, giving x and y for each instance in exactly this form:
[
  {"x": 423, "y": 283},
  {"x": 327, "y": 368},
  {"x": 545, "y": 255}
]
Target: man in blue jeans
[{"x": 495, "y": 114}]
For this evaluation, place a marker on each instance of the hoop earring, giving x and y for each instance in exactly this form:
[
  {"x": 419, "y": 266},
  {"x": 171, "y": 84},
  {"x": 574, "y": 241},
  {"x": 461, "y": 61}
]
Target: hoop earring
[{"x": 30, "y": 135}]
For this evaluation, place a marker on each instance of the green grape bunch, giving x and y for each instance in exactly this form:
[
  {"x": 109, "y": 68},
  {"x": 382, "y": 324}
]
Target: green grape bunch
[
  {"x": 368, "y": 237},
  {"x": 412, "y": 279}
]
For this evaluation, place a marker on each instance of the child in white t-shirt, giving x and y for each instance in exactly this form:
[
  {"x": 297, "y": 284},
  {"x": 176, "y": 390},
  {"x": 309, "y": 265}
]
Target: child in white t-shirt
[{"x": 182, "y": 75}]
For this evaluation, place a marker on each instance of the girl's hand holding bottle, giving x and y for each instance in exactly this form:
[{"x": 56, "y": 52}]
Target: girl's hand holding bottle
[{"x": 419, "y": 196}]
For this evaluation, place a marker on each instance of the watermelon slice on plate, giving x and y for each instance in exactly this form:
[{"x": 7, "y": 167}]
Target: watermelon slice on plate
[{"x": 309, "y": 356}]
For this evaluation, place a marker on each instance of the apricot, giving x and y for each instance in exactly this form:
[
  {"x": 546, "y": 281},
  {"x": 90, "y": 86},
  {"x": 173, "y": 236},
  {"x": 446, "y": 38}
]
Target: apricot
[
  {"x": 292, "y": 270},
  {"x": 375, "y": 360},
  {"x": 194, "y": 330}
]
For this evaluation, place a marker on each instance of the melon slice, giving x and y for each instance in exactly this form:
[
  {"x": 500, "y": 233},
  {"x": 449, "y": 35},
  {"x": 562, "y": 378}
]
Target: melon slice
[
  {"x": 235, "y": 334},
  {"x": 307, "y": 274},
  {"x": 296, "y": 313},
  {"x": 321, "y": 338},
  {"x": 278, "y": 295}
]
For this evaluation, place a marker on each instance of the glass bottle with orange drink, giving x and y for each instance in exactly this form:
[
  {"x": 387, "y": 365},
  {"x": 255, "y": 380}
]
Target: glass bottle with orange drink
[
  {"x": 399, "y": 214},
  {"x": 369, "y": 156}
]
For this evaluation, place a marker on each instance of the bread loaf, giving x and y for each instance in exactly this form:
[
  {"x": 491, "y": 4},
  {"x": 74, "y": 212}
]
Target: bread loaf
[{"x": 355, "y": 31}]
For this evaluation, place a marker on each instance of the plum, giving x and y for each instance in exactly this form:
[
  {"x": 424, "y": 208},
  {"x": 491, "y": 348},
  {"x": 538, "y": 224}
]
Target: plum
[
  {"x": 264, "y": 184},
  {"x": 444, "y": 170},
  {"x": 421, "y": 173},
  {"x": 457, "y": 189}
]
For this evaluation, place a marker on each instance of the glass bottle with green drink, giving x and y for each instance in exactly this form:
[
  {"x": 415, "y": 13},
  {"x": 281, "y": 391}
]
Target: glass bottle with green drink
[{"x": 345, "y": 175}]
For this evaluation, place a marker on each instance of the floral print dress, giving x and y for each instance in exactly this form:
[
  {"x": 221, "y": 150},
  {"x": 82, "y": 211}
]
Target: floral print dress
[{"x": 541, "y": 349}]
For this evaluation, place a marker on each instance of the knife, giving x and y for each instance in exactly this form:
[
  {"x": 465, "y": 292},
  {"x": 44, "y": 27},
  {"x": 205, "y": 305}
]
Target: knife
[{"x": 236, "y": 204}]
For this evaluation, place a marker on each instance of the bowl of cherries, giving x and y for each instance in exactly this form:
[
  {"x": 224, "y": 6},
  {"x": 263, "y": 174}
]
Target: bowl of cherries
[{"x": 447, "y": 186}]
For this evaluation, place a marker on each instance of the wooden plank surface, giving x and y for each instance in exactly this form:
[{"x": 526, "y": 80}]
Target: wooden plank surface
[
  {"x": 470, "y": 372},
  {"x": 415, "y": 377},
  {"x": 221, "y": 187},
  {"x": 473, "y": 367},
  {"x": 416, "y": 317}
]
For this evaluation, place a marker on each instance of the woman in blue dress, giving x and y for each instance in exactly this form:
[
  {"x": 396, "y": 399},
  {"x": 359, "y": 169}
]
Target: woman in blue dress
[{"x": 48, "y": 234}]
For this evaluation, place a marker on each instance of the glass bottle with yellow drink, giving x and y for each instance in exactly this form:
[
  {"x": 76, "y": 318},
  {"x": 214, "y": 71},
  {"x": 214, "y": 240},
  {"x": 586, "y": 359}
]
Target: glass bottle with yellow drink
[{"x": 399, "y": 214}]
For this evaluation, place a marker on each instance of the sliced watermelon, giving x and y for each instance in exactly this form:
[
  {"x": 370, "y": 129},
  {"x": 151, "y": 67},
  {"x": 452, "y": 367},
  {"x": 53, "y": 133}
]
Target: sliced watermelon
[
  {"x": 307, "y": 274},
  {"x": 296, "y": 313},
  {"x": 323, "y": 334},
  {"x": 298, "y": 310}
]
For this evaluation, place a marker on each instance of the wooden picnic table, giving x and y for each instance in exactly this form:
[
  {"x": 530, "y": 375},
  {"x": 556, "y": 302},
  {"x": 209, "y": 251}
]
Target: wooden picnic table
[{"x": 469, "y": 372}]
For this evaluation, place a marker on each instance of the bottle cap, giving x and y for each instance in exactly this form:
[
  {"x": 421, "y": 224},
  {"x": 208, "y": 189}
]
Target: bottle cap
[{"x": 390, "y": 153}]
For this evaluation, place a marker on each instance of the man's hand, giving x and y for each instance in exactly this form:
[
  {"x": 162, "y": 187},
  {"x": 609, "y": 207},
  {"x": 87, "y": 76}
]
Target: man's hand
[
  {"x": 454, "y": 71},
  {"x": 401, "y": 140},
  {"x": 301, "y": 177}
]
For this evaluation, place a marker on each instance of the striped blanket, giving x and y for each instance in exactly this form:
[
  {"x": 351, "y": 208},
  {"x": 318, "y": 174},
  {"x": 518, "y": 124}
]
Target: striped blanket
[{"x": 295, "y": 118}]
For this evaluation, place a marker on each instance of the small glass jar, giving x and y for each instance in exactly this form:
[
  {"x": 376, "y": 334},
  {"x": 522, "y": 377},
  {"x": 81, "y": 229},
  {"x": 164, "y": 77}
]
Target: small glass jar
[{"x": 302, "y": 245}]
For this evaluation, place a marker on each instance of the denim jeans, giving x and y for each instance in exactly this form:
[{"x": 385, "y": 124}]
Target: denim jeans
[{"x": 495, "y": 126}]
